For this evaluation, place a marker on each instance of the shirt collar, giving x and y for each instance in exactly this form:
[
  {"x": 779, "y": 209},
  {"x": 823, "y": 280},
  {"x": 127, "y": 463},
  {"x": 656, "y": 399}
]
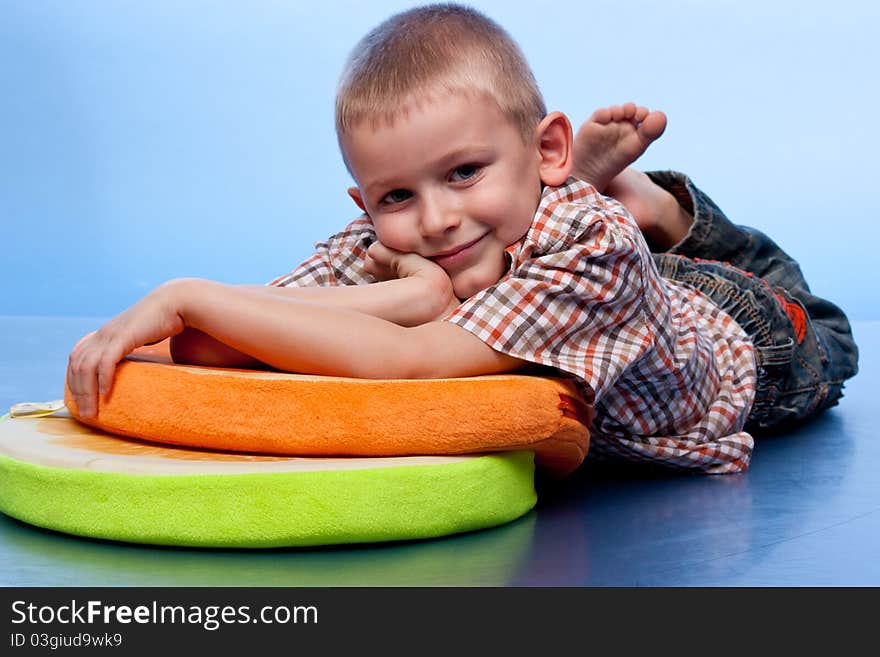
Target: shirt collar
[{"x": 572, "y": 190}]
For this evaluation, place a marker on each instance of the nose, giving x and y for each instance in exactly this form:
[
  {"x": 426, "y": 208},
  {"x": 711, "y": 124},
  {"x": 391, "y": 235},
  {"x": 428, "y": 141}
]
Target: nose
[{"x": 439, "y": 215}]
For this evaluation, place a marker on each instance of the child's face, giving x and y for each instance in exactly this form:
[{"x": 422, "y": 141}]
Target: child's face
[{"x": 452, "y": 181}]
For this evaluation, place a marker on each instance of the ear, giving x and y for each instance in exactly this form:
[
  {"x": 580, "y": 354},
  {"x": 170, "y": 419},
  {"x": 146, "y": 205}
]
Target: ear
[
  {"x": 554, "y": 145},
  {"x": 355, "y": 194}
]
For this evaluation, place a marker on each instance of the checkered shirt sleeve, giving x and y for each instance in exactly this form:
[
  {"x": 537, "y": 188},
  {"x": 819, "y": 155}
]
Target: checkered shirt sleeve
[
  {"x": 673, "y": 375},
  {"x": 339, "y": 260}
]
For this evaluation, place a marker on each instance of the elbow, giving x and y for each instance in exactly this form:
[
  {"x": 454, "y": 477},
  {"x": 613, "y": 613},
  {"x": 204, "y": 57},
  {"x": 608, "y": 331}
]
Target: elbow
[{"x": 193, "y": 347}]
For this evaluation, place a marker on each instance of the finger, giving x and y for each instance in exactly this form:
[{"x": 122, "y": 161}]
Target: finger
[
  {"x": 105, "y": 377},
  {"x": 75, "y": 359},
  {"x": 70, "y": 381},
  {"x": 84, "y": 386},
  {"x": 378, "y": 262},
  {"x": 107, "y": 368},
  {"x": 374, "y": 269},
  {"x": 83, "y": 380},
  {"x": 73, "y": 375},
  {"x": 381, "y": 254}
]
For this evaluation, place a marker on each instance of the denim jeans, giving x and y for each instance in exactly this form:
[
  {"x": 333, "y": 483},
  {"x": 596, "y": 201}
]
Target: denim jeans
[{"x": 803, "y": 344}]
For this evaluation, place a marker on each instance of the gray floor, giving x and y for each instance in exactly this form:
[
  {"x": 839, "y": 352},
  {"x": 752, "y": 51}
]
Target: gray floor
[{"x": 807, "y": 513}]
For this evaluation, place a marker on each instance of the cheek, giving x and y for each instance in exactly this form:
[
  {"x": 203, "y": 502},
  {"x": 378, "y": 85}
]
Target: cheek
[
  {"x": 509, "y": 208},
  {"x": 509, "y": 215},
  {"x": 492, "y": 206},
  {"x": 394, "y": 235}
]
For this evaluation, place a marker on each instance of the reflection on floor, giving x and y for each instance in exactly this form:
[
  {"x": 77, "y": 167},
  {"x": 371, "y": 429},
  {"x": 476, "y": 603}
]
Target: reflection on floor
[{"x": 807, "y": 513}]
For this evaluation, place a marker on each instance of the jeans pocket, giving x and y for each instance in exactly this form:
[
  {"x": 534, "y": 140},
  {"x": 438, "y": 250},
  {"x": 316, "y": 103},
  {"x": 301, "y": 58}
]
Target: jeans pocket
[
  {"x": 775, "y": 355},
  {"x": 774, "y": 366}
]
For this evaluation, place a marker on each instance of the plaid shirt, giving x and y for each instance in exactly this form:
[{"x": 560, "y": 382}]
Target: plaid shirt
[{"x": 673, "y": 375}]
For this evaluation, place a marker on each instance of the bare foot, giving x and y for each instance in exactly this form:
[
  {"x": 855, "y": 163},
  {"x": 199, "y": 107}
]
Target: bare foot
[
  {"x": 663, "y": 222},
  {"x": 612, "y": 139}
]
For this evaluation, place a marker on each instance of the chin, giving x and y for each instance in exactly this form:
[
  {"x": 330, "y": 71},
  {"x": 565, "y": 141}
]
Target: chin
[
  {"x": 467, "y": 289},
  {"x": 478, "y": 277}
]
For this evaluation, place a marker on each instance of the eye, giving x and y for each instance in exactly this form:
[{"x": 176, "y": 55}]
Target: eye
[
  {"x": 396, "y": 196},
  {"x": 464, "y": 172}
]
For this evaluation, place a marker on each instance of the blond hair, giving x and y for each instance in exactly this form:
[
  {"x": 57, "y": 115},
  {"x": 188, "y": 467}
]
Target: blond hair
[{"x": 445, "y": 47}]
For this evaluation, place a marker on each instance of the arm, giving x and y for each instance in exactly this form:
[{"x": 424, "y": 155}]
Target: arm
[
  {"x": 411, "y": 291},
  {"x": 299, "y": 336},
  {"x": 287, "y": 333},
  {"x": 403, "y": 301},
  {"x": 344, "y": 270}
]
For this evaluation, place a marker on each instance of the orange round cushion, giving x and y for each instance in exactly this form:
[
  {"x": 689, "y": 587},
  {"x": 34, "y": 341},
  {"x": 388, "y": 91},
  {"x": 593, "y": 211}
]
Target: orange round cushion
[{"x": 291, "y": 414}]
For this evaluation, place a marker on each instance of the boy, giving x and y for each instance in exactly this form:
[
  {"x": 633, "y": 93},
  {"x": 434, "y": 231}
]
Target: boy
[{"x": 478, "y": 253}]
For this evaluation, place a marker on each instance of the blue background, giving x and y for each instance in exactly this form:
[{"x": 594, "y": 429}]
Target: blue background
[{"x": 142, "y": 141}]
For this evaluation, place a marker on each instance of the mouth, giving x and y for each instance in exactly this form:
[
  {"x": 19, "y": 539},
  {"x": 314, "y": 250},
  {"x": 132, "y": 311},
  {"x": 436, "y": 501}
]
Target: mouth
[{"x": 452, "y": 256}]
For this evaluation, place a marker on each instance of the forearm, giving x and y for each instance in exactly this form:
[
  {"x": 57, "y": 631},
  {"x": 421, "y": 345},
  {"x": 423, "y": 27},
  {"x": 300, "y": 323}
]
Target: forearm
[
  {"x": 405, "y": 301},
  {"x": 299, "y": 336},
  {"x": 293, "y": 334}
]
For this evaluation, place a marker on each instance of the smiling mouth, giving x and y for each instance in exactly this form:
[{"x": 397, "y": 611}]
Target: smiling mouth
[{"x": 451, "y": 253}]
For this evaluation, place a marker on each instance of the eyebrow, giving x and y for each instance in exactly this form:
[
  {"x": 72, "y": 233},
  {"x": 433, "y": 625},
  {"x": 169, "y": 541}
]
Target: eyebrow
[{"x": 477, "y": 152}]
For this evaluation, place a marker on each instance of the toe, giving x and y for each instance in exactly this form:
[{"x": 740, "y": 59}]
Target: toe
[
  {"x": 653, "y": 125},
  {"x": 601, "y": 115}
]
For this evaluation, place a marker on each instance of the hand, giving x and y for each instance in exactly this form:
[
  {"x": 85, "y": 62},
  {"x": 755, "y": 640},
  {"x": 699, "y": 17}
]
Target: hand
[
  {"x": 387, "y": 264},
  {"x": 93, "y": 360}
]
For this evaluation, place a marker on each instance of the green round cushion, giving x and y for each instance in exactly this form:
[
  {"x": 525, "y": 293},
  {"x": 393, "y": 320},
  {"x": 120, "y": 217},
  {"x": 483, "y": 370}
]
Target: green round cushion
[{"x": 60, "y": 474}]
